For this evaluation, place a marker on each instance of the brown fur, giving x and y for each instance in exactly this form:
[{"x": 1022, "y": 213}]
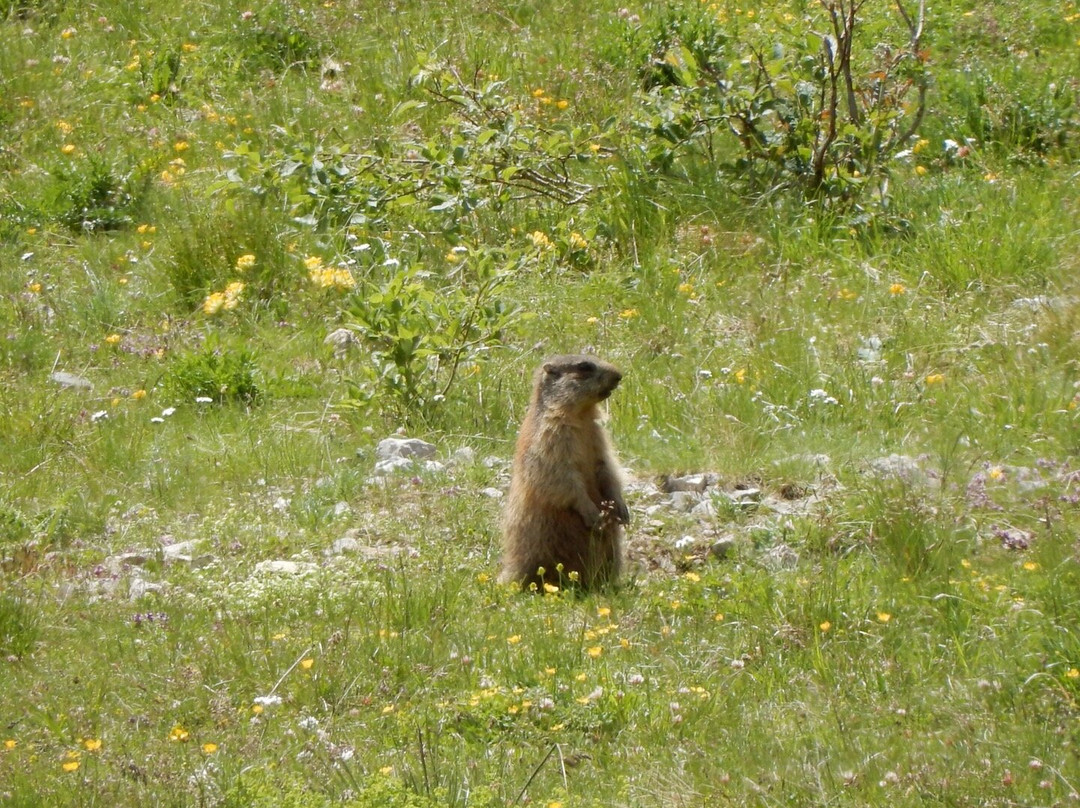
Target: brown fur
[{"x": 565, "y": 510}]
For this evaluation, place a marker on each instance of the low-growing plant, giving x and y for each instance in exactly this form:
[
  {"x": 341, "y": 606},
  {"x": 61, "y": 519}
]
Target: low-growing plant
[
  {"x": 94, "y": 195},
  {"x": 424, "y": 330},
  {"x": 214, "y": 372},
  {"x": 19, "y": 629},
  {"x": 779, "y": 108}
]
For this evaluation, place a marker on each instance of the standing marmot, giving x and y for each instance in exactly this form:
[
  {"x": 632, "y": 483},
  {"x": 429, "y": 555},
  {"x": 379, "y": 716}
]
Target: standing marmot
[{"x": 564, "y": 515}]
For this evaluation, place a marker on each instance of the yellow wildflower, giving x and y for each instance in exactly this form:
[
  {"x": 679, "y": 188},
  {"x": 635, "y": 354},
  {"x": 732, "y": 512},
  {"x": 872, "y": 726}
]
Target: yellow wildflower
[
  {"x": 884, "y": 617},
  {"x": 10, "y": 743},
  {"x": 1031, "y": 566},
  {"x": 921, "y": 170},
  {"x": 70, "y": 766},
  {"x": 180, "y": 734},
  {"x": 68, "y": 148},
  {"x": 68, "y": 33},
  {"x": 233, "y": 294},
  {"x": 578, "y": 242},
  {"x": 594, "y": 651},
  {"x": 139, "y": 395},
  {"x": 514, "y": 639},
  {"x": 562, "y": 103},
  {"x": 628, "y": 314},
  {"x": 209, "y": 748},
  {"x": 825, "y": 626},
  {"x": 181, "y": 146},
  {"x": 213, "y": 303},
  {"x": 307, "y": 663},
  {"x": 935, "y": 378},
  {"x": 92, "y": 744},
  {"x": 540, "y": 239},
  {"x": 112, "y": 339},
  {"x": 897, "y": 289},
  {"x": 1071, "y": 673}
]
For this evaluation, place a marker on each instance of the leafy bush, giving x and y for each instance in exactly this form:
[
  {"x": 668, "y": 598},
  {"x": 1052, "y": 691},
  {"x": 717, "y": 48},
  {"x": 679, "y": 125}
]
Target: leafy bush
[
  {"x": 492, "y": 151},
  {"x": 424, "y": 330},
  {"x": 18, "y": 626},
  {"x": 776, "y": 108},
  {"x": 215, "y": 373},
  {"x": 93, "y": 195}
]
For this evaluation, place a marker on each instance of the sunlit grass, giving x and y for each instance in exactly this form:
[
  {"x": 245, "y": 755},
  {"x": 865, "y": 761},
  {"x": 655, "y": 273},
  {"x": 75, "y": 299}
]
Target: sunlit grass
[{"x": 193, "y": 197}]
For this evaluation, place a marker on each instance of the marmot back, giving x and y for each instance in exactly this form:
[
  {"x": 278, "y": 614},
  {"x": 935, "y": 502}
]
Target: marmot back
[{"x": 565, "y": 511}]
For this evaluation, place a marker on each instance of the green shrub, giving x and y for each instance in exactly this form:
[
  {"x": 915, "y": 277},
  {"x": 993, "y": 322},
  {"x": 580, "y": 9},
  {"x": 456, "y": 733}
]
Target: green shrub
[{"x": 215, "y": 373}]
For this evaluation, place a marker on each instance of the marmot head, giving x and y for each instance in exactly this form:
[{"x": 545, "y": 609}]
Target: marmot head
[{"x": 575, "y": 382}]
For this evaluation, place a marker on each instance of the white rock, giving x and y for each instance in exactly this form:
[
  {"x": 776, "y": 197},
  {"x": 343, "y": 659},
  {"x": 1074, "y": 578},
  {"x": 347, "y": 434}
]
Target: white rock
[
  {"x": 65, "y": 379},
  {"x": 463, "y": 455},
  {"x": 722, "y": 547},
  {"x": 346, "y": 544},
  {"x": 492, "y": 493},
  {"x": 403, "y": 447},
  {"x": 342, "y": 508},
  {"x": 281, "y": 567},
  {"x": 392, "y": 465},
  {"x": 704, "y": 509},
  {"x": 685, "y": 501},
  {"x": 182, "y": 550},
  {"x": 139, "y": 588},
  {"x": 689, "y": 482},
  {"x": 685, "y": 542},
  {"x": 342, "y": 340}
]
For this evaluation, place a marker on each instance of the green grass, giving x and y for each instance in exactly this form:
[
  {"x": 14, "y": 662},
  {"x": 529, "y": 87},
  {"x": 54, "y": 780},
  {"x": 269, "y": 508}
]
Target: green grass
[{"x": 466, "y": 192}]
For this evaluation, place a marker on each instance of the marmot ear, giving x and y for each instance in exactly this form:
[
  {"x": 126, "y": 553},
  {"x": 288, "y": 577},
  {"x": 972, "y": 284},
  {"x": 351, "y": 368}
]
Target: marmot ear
[{"x": 551, "y": 369}]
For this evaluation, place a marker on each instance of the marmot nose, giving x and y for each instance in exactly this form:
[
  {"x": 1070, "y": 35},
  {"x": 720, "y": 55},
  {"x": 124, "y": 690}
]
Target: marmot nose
[{"x": 617, "y": 378}]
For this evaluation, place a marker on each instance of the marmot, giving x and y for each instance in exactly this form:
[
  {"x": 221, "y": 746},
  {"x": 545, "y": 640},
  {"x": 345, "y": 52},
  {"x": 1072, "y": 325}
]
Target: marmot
[{"x": 565, "y": 511}]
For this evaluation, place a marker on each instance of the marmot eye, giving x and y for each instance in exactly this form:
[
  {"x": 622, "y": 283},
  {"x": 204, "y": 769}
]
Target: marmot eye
[{"x": 585, "y": 367}]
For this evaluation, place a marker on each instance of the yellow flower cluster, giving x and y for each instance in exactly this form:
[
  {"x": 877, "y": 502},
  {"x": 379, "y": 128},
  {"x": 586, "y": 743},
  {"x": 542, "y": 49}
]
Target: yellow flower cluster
[
  {"x": 328, "y": 277},
  {"x": 228, "y": 300}
]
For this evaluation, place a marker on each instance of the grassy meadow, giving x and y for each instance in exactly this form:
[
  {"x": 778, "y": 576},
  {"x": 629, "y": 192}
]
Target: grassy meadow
[{"x": 835, "y": 250}]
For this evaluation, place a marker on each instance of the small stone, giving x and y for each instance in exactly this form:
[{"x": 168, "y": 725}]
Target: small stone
[
  {"x": 1013, "y": 538},
  {"x": 782, "y": 556},
  {"x": 688, "y": 482},
  {"x": 182, "y": 549},
  {"x": 463, "y": 455},
  {"x": 70, "y": 380},
  {"x": 281, "y": 567},
  {"x": 346, "y": 544},
  {"x": 403, "y": 447},
  {"x": 342, "y": 508},
  {"x": 722, "y": 547},
  {"x": 342, "y": 340},
  {"x": 745, "y": 496},
  {"x": 433, "y": 466},
  {"x": 704, "y": 509},
  {"x": 393, "y": 464},
  {"x": 897, "y": 465},
  {"x": 684, "y": 501},
  {"x": 685, "y": 542},
  {"x": 140, "y": 588},
  {"x": 492, "y": 493}
]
